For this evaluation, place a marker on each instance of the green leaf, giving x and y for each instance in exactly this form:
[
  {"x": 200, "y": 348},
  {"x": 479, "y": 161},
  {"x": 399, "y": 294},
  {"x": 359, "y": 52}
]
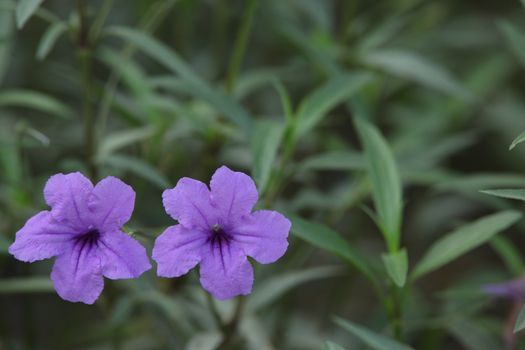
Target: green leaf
[
  {"x": 49, "y": 39},
  {"x": 329, "y": 240},
  {"x": 117, "y": 140},
  {"x": 396, "y": 264},
  {"x": 335, "y": 160},
  {"x": 285, "y": 100},
  {"x": 333, "y": 346},
  {"x": 386, "y": 183},
  {"x": 410, "y": 66},
  {"x": 138, "y": 167},
  {"x": 25, "y": 9},
  {"x": 4, "y": 245},
  {"x": 464, "y": 239},
  {"x": 196, "y": 86},
  {"x": 273, "y": 288},
  {"x": 510, "y": 193},
  {"x": 34, "y": 100},
  {"x": 520, "y": 321},
  {"x": 517, "y": 140},
  {"x": 335, "y": 91},
  {"x": 515, "y": 40},
  {"x": 508, "y": 253},
  {"x": 374, "y": 340},
  {"x": 26, "y": 285},
  {"x": 266, "y": 141}
]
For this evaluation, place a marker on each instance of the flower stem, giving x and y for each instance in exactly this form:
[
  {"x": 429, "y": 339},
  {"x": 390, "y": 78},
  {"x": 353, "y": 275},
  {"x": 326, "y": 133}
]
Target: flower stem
[
  {"x": 240, "y": 45},
  {"x": 229, "y": 330},
  {"x": 85, "y": 58}
]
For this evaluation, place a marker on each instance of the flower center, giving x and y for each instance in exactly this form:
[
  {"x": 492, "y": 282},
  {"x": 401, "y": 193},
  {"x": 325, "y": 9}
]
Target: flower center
[
  {"x": 88, "y": 239},
  {"x": 218, "y": 235}
]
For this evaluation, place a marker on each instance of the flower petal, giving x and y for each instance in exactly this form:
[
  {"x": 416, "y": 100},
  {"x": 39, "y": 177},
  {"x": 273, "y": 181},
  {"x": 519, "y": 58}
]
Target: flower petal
[
  {"x": 177, "y": 250},
  {"x": 41, "y": 238},
  {"x": 77, "y": 274},
  {"x": 263, "y": 235},
  {"x": 112, "y": 203},
  {"x": 189, "y": 203},
  {"x": 121, "y": 256},
  {"x": 233, "y": 193},
  {"x": 67, "y": 195},
  {"x": 225, "y": 272}
]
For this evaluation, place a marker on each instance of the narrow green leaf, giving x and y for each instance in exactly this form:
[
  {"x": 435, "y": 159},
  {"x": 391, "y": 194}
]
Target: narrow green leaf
[
  {"x": 26, "y": 285},
  {"x": 515, "y": 40},
  {"x": 272, "y": 289},
  {"x": 49, "y": 39},
  {"x": 507, "y": 193},
  {"x": 196, "y": 86},
  {"x": 335, "y": 160},
  {"x": 117, "y": 140},
  {"x": 372, "y": 339},
  {"x": 386, "y": 183},
  {"x": 333, "y": 346},
  {"x": 34, "y": 100},
  {"x": 464, "y": 239},
  {"x": 520, "y": 321},
  {"x": 410, "y": 66},
  {"x": 265, "y": 144},
  {"x": 138, "y": 167},
  {"x": 508, "y": 253},
  {"x": 6, "y": 43},
  {"x": 24, "y": 10},
  {"x": 335, "y": 91},
  {"x": 396, "y": 265},
  {"x": 517, "y": 140},
  {"x": 285, "y": 100},
  {"x": 327, "y": 239}
]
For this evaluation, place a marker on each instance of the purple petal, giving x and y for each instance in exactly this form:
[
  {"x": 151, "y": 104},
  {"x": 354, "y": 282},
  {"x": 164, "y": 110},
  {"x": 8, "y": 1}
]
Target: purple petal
[
  {"x": 189, "y": 203},
  {"x": 233, "y": 193},
  {"x": 177, "y": 250},
  {"x": 77, "y": 274},
  {"x": 121, "y": 256},
  {"x": 263, "y": 235},
  {"x": 112, "y": 203},
  {"x": 225, "y": 272},
  {"x": 41, "y": 238},
  {"x": 68, "y": 195}
]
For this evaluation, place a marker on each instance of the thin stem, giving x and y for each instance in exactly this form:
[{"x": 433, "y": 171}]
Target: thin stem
[
  {"x": 240, "y": 45},
  {"x": 213, "y": 309},
  {"x": 229, "y": 330}
]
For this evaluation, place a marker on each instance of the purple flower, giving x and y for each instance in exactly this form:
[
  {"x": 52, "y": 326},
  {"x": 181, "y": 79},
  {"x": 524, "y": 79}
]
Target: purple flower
[
  {"x": 83, "y": 231},
  {"x": 218, "y": 230}
]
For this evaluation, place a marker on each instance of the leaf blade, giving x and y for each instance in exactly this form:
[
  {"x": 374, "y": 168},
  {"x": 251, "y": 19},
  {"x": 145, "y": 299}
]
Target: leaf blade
[{"x": 464, "y": 239}]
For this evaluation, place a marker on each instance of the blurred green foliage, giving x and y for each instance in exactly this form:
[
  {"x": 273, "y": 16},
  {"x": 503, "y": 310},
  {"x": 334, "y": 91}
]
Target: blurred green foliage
[{"x": 373, "y": 124}]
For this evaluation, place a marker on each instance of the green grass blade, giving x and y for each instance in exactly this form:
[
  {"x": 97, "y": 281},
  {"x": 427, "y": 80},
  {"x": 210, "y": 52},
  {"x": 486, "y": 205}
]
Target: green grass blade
[
  {"x": 26, "y": 285},
  {"x": 396, "y": 265},
  {"x": 24, "y": 10},
  {"x": 266, "y": 141},
  {"x": 34, "y": 100}
]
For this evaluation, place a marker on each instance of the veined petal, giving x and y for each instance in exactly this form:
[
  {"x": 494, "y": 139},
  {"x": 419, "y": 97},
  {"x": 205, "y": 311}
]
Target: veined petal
[
  {"x": 111, "y": 203},
  {"x": 177, "y": 250},
  {"x": 41, "y": 238},
  {"x": 77, "y": 274},
  {"x": 225, "y": 272},
  {"x": 263, "y": 235},
  {"x": 121, "y": 256},
  {"x": 189, "y": 203},
  {"x": 68, "y": 195},
  {"x": 233, "y": 193}
]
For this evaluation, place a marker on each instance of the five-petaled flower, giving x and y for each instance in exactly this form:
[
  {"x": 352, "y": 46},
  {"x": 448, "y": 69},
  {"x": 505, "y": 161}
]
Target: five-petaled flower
[
  {"x": 218, "y": 230},
  {"x": 83, "y": 231}
]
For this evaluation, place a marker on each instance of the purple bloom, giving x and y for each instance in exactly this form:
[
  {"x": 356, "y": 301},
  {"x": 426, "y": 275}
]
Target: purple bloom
[
  {"x": 83, "y": 231},
  {"x": 218, "y": 230}
]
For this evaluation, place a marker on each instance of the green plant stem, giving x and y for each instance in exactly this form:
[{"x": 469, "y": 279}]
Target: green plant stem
[
  {"x": 229, "y": 330},
  {"x": 85, "y": 58},
  {"x": 240, "y": 45}
]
